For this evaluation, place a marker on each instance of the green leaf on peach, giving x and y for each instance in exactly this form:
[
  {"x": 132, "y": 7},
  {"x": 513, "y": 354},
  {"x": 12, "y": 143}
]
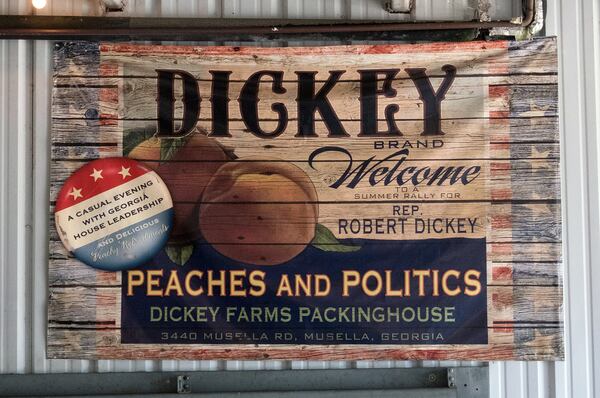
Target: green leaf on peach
[
  {"x": 134, "y": 137},
  {"x": 179, "y": 254},
  {"x": 325, "y": 240},
  {"x": 170, "y": 146}
]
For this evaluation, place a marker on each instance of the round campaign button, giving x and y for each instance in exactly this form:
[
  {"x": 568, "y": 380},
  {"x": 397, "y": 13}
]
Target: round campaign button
[{"x": 114, "y": 214}]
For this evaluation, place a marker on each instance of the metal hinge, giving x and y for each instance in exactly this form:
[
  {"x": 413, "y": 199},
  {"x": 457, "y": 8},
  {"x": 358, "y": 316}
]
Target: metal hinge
[{"x": 469, "y": 382}]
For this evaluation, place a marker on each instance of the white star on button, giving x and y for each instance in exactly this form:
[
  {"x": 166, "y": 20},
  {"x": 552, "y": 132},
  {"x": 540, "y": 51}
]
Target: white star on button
[
  {"x": 97, "y": 174},
  {"x": 75, "y": 193},
  {"x": 124, "y": 172}
]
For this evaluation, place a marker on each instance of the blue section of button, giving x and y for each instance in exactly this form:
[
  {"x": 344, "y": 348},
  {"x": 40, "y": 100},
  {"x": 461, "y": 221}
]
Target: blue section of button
[{"x": 130, "y": 246}]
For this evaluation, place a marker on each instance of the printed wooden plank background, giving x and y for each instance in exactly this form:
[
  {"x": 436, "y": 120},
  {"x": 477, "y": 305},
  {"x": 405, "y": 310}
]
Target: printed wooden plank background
[{"x": 500, "y": 113}]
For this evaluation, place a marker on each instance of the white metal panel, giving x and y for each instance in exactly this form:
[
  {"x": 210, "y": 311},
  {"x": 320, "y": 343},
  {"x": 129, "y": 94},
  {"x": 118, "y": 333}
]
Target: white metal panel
[
  {"x": 16, "y": 188},
  {"x": 25, "y": 81}
]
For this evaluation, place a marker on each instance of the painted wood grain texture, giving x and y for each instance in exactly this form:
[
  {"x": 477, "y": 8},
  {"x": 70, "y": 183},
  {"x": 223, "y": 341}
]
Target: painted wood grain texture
[{"x": 501, "y": 112}]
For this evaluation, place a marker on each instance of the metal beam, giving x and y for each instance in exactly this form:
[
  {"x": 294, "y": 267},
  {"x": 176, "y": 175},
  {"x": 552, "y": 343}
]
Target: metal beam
[
  {"x": 468, "y": 382},
  {"x": 212, "y": 29},
  {"x": 127, "y": 28}
]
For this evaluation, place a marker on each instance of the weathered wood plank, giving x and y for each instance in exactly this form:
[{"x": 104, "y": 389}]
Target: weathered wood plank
[
  {"x": 509, "y": 263},
  {"x": 525, "y": 252},
  {"x": 525, "y": 101},
  {"x": 518, "y": 305},
  {"x": 538, "y": 179},
  {"x": 82, "y": 58},
  {"x": 72, "y": 272},
  {"x": 473, "y": 132},
  {"x": 535, "y": 222},
  {"x": 99, "y": 344},
  {"x": 520, "y": 139},
  {"x": 68, "y": 271},
  {"x": 500, "y": 79},
  {"x": 497, "y": 152},
  {"x": 537, "y": 56},
  {"x": 525, "y": 273},
  {"x": 533, "y": 55},
  {"x": 84, "y": 305}
]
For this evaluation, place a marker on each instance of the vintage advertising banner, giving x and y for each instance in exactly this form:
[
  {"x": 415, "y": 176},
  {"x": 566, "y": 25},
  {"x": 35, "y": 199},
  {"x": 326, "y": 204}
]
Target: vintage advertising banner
[{"x": 344, "y": 202}]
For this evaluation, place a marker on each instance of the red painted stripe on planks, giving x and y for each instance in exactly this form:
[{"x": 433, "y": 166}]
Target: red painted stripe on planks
[
  {"x": 501, "y": 63},
  {"x": 498, "y": 67},
  {"x": 110, "y": 348},
  {"x": 499, "y": 114},
  {"x": 499, "y": 168},
  {"x": 500, "y": 150},
  {"x": 501, "y": 221},
  {"x": 107, "y": 119},
  {"x": 109, "y": 95},
  {"x": 108, "y": 68},
  {"x": 498, "y": 122},
  {"x": 106, "y": 300},
  {"x": 499, "y": 129},
  {"x": 501, "y": 194},
  {"x": 502, "y": 300},
  {"x": 498, "y": 91},
  {"x": 106, "y": 277},
  {"x": 502, "y": 249},
  {"x": 502, "y": 273},
  {"x": 500, "y": 146},
  {"x": 500, "y": 136}
]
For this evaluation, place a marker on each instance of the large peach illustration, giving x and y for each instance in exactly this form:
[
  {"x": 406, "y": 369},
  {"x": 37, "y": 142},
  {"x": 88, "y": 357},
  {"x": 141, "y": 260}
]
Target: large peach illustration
[
  {"x": 259, "y": 211},
  {"x": 186, "y": 165}
]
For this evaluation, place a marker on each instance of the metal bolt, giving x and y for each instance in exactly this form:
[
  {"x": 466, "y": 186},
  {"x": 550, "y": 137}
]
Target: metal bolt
[
  {"x": 451, "y": 379},
  {"x": 184, "y": 385}
]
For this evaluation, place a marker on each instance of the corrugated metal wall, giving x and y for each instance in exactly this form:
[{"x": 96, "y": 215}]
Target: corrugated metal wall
[{"x": 25, "y": 88}]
